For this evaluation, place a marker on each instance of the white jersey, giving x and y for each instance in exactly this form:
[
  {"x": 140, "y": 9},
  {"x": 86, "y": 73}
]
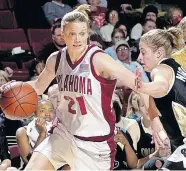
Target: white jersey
[{"x": 86, "y": 107}]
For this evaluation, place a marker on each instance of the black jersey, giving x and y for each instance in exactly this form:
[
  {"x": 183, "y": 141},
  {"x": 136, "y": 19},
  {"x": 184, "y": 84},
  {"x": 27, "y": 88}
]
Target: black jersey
[
  {"x": 177, "y": 93},
  {"x": 120, "y": 162},
  {"x": 144, "y": 145}
]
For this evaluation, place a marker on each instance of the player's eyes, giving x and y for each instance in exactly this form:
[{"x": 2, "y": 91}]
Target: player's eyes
[
  {"x": 82, "y": 33},
  {"x": 71, "y": 34}
]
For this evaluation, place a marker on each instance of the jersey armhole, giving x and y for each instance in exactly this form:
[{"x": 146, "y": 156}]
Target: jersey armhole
[
  {"x": 57, "y": 61},
  {"x": 99, "y": 78}
]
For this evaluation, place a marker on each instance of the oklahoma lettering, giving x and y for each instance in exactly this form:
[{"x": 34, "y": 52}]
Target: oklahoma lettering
[{"x": 74, "y": 83}]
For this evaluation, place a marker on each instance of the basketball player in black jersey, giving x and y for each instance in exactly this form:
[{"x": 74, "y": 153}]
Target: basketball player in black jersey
[{"x": 168, "y": 78}]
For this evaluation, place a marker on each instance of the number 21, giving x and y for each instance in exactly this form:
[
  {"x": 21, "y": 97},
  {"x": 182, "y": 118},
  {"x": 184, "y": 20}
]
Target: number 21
[{"x": 81, "y": 103}]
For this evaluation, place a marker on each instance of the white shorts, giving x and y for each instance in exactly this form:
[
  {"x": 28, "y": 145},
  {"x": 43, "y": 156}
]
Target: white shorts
[{"x": 63, "y": 148}]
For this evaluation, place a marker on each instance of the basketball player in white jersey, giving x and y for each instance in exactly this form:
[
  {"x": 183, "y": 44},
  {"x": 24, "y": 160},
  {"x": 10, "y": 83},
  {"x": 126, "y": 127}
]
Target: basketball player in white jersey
[{"x": 86, "y": 76}]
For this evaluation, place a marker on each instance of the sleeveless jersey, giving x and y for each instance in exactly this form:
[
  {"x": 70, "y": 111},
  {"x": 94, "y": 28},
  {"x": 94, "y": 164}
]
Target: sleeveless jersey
[
  {"x": 85, "y": 108},
  {"x": 177, "y": 93},
  {"x": 144, "y": 145}
]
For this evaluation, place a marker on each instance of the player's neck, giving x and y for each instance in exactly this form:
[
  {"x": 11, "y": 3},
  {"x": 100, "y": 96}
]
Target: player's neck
[{"x": 74, "y": 56}]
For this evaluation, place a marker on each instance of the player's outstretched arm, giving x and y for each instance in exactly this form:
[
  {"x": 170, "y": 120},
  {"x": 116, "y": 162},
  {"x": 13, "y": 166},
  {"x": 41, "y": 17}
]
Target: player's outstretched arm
[
  {"x": 107, "y": 66},
  {"x": 47, "y": 75}
]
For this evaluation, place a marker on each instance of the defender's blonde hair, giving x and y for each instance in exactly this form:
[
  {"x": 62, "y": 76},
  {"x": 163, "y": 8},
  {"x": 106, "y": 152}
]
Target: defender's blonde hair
[
  {"x": 78, "y": 14},
  {"x": 168, "y": 39}
]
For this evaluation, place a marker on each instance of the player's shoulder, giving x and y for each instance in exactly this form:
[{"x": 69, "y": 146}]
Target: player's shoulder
[{"x": 53, "y": 56}]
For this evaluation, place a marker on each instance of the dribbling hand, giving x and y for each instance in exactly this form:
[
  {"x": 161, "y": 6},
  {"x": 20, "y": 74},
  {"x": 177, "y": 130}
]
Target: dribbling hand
[
  {"x": 3, "y": 87},
  {"x": 160, "y": 138}
]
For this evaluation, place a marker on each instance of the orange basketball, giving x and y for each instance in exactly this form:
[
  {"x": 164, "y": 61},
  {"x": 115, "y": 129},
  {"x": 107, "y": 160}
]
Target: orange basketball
[{"x": 19, "y": 101}]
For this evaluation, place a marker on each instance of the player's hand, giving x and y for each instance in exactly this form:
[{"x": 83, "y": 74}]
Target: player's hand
[
  {"x": 119, "y": 137},
  {"x": 41, "y": 125},
  {"x": 3, "y": 87},
  {"x": 138, "y": 81},
  {"x": 160, "y": 137}
]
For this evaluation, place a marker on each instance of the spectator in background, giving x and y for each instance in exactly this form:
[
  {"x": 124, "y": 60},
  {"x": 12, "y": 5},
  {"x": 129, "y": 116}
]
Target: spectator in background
[
  {"x": 124, "y": 57},
  {"x": 36, "y": 69},
  {"x": 57, "y": 44},
  {"x": 175, "y": 15},
  {"x": 30, "y": 136},
  {"x": 55, "y": 9},
  {"x": 116, "y": 36},
  {"x": 149, "y": 12},
  {"x": 123, "y": 26},
  {"x": 97, "y": 13},
  {"x": 102, "y": 3},
  {"x": 148, "y": 157},
  {"x": 96, "y": 40},
  {"x": 125, "y": 158},
  {"x": 148, "y": 25},
  {"x": 112, "y": 17},
  {"x": 119, "y": 4}
]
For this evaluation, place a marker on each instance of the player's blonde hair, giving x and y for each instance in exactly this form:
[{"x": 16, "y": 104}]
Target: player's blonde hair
[
  {"x": 168, "y": 39},
  {"x": 79, "y": 14}
]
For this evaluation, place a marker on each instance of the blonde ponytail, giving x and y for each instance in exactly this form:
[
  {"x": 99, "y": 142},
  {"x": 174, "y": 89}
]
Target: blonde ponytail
[
  {"x": 83, "y": 9},
  {"x": 170, "y": 40},
  {"x": 176, "y": 37},
  {"x": 79, "y": 14}
]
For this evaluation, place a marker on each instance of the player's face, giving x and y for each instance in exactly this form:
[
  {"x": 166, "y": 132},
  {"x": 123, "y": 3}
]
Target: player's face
[
  {"x": 75, "y": 35},
  {"x": 45, "y": 110},
  {"x": 147, "y": 57}
]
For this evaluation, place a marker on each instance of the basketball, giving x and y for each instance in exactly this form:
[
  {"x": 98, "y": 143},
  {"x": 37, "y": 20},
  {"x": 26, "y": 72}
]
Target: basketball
[{"x": 19, "y": 101}]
